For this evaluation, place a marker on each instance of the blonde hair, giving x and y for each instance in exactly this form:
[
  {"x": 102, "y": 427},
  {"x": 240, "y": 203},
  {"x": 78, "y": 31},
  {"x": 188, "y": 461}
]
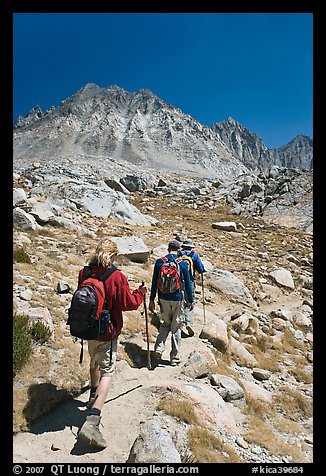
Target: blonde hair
[{"x": 104, "y": 252}]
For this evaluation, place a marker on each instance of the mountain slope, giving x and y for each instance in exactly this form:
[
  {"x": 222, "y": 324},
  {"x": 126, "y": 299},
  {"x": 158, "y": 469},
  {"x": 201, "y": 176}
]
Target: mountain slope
[
  {"x": 137, "y": 128},
  {"x": 141, "y": 129},
  {"x": 298, "y": 153},
  {"x": 253, "y": 153}
]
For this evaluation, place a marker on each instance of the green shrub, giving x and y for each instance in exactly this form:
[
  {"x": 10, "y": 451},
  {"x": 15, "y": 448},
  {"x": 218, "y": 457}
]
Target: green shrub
[
  {"x": 216, "y": 184},
  {"x": 308, "y": 285},
  {"x": 40, "y": 332},
  {"x": 22, "y": 342},
  {"x": 20, "y": 256}
]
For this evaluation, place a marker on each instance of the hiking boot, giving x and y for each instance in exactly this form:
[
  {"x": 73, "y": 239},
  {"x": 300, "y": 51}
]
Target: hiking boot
[
  {"x": 90, "y": 432},
  {"x": 157, "y": 355},
  {"x": 174, "y": 362},
  {"x": 190, "y": 331}
]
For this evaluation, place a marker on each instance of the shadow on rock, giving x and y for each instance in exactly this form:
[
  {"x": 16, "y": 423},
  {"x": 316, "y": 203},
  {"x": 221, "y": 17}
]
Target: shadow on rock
[
  {"x": 139, "y": 356},
  {"x": 81, "y": 447},
  {"x": 56, "y": 406},
  {"x": 136, "y": 354}
]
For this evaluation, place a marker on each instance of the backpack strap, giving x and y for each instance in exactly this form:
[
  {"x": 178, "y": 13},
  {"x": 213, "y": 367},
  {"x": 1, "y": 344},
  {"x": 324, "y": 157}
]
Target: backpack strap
[
  {"x": 108, "y": 273},
  {"x": 81, "y": 352},
  {"x": 111, "y": 352},
  {"x": 105, "y": 276},
  {"x": 165, "y": 259},
  {"x": 87, "y": 272},
  {"x": 191, "y": 254}
]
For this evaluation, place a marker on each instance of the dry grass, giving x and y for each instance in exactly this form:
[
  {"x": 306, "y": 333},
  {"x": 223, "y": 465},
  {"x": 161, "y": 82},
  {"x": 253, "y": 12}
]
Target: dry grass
[
  {"x": 50, "y": 376},
  {"x": 38, "y": 391},
  {"x": 206, "y": 447},
  {"x": 46, "y": 231},
  {"x": 223, "y": 364},
  {"x": 257, "y": 408},
  {"x": 267, "y": 422},
  {"x": 135, "y": 323},
  {"x": 301, "y": 375},
  {"x": 263, "y": 434},
  {"x": 285, "y": 425},
  {"x": 290, "y": 343},
  {"x": 266, "y": 360},
  {"x": 293, "y": 403},
  {"x": 180, "y": 409}
]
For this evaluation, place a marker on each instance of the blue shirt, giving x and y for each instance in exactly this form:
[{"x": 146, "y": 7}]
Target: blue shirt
[
  {"x": 198, "y": 265},
  {"x": 177, "y": 295}
]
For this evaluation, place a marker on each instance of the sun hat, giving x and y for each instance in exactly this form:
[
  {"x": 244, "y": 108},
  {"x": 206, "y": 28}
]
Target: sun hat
[{"x": 188, "y": 244}]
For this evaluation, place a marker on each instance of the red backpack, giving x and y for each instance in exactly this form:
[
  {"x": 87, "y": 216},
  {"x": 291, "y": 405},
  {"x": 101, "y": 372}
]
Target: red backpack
[
  {"x": 87, "y": 317},
  {"x": 169, "y": 277}
]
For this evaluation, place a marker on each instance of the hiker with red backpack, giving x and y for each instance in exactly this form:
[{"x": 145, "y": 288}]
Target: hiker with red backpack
[
  {"x": 195, "y": 264},
  {"x": 171, "y": 280},
  {"x": 103, "y": 348}
]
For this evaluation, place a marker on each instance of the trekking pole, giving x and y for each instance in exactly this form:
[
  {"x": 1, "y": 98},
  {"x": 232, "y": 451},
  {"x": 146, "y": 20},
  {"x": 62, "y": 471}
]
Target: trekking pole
[
  {"x": 147, "y": 338},
  {"x": 202, "y": 286}
]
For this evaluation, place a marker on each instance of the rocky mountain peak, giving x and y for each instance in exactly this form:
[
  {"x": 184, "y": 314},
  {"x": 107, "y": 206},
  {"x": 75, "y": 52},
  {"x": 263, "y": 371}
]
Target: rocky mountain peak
[
  {"x": 252, "y": 151},
  {"x": 136, "y": 128},
  {"x": 140, "y": 127},
  {"x": 298, "y": 151},
  {"x": 146, "y": 93},
  {"x": 232, "y": 122},
  {"x": 244, "y": 144},
  {"x": 33, "y": 115},
  {"x": 299, "y": 141}
]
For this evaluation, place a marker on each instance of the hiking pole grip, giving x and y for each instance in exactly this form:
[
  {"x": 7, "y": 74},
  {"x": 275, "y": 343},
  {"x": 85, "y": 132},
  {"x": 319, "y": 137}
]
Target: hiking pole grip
[{"x": 147, "y": 337}]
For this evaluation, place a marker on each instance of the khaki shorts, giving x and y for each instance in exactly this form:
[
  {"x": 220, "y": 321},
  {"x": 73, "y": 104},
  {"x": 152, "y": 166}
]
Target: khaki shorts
[{"x": 100, "y": 352}]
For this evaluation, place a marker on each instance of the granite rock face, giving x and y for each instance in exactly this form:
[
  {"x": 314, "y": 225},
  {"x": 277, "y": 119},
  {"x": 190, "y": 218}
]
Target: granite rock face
[{"x": 102, "y": 144}]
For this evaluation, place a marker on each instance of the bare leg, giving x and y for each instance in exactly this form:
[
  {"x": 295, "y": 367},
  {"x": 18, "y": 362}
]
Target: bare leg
[
  {"x": 102, "y": 391},
  {"x": 95, "y": 376}
]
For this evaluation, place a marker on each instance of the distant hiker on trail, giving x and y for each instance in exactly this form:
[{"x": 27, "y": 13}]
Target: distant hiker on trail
[
  {"x": 171, "y": 279},
  {"x": 103, "y": 350},
  {"x": 194, "y": 262}
]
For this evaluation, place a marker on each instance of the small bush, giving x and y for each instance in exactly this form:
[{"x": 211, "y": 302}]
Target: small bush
[
  {"x": 216, "y": 184},
  {"x": 22, "y": 342},
  {"x": 20, "y": 256},
  {"x": 308, "y": 285},
  {"x": 40, "y": 332}
]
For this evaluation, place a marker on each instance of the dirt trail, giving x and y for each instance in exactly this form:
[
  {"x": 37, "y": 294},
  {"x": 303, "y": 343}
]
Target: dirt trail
[{"x": 131, "y": 401}]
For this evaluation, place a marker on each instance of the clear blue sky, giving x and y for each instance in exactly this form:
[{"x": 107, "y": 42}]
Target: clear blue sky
[{"x": 254, "y": 67}]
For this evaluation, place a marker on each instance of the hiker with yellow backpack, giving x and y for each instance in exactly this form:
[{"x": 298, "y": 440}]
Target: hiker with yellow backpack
[
  {"x": 171, "y": 282},
  {"x": 192, "y": 258}
]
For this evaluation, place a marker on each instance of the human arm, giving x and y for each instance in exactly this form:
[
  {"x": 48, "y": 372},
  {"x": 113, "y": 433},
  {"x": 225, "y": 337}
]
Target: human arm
[
  {"x": 198, "y": 264},
  {"x": 157, "y": 266},
  {"x": 120, "y": 295}
]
